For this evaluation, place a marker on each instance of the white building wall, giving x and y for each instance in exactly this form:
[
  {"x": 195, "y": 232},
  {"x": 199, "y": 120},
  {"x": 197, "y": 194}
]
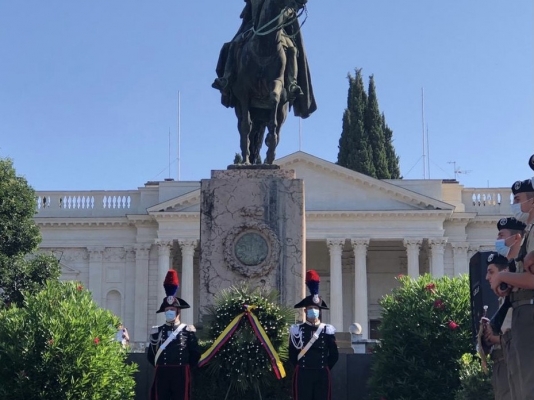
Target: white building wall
[{"x": 339, "y": 204}]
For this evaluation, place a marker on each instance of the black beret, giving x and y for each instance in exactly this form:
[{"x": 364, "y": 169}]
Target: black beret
[
  {"x": 511, "y": 223},
  {"x": 523, "y": 186},
  {"x": 496, "y": 258},
  {"x": 531, "y": 162}
]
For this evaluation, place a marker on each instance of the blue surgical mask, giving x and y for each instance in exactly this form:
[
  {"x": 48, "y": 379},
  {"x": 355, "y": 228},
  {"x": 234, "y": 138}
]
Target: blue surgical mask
[
  {"x": 170, "y": 315},
  {"x": 501, "y": 247},
  {"x": 312, "y": 313},
  {"x": 518, "y": 214}
]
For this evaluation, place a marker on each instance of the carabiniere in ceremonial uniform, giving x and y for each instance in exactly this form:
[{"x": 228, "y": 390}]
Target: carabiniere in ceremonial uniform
[
  {"x": 312, "y": 348},
  {"x": 173, "y": 348}
]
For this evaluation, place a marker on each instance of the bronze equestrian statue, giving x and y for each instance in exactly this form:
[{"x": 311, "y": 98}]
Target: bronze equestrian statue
[{"x": 263, "y": 72}]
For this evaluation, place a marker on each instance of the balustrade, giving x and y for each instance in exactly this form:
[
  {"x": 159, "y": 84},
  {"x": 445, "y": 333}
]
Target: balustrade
[
  {"x": 90, "y": 203},
  {"x": 490, "y": 201}
]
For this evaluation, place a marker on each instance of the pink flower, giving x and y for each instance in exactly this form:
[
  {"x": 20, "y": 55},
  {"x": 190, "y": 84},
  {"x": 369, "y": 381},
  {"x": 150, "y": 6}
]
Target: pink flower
[
  {"x": 51, "y": 342},
  {"x": 96, "y": 340},
  {"x": 400, "y": 276},
  {"x": 430, "y": 287},
  {"x": 438, "y": 304},
  {"x": 79, "y": 288},
  {"x": 453, "y": 325}
]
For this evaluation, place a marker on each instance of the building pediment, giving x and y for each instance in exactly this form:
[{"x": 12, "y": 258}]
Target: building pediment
[
  {"x": 188, "y": 202},
  {"x": 331, "y": 187},
  {"x": 68, "y": 273}
]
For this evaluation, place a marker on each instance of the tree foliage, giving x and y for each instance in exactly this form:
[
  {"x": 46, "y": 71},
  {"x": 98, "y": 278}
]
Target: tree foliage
[
  {"x": 366, "y": 143},
  {"x": 475, "y": 384},
  {"x": 21, "y": 273},
  {"x": 60, "y": 345},
  {"x": 425, "y": 331},
  {"x": 373, "y": 128},
  {"x": 18, "y": 232}
]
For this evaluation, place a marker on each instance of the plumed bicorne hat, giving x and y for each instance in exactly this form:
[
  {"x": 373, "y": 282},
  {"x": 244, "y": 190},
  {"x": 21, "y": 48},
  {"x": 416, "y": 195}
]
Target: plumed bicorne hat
[
  {"x": 511, "y": 223},
  {"x": 496, "y": 258},
  {"x": 312, "y": 281},
  {"x": 171, "y": 285},
  {"x": 531, "y": 162}
]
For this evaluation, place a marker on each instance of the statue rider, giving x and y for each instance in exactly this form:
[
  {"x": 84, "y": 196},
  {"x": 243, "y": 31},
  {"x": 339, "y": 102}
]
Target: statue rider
[{"x": 226, "y": 64}]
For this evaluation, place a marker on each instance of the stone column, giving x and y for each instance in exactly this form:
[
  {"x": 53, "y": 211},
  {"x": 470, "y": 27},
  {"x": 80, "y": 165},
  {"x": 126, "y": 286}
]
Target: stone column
[
  {"x": 95, "y": 272},
  {"x": 164, "y": 264},
  {"x": 142, "y": 254},
  {"x": 461, "y": 263},
  {"x": 412, "y": 251},
  {"x": 336, "y": 287},
  {"x": 361, "y": 306},
  {"x": 187, "y": 285},
  {"x": 437, "y": 248}
]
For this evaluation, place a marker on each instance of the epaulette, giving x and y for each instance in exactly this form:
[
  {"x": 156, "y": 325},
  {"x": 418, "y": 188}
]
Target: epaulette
[
  {"x": 295, "y": 329},
  {"x": 191, "y": 328},
  {"x": 154, "y": 329},
  {"x": 329, "y": 329}
]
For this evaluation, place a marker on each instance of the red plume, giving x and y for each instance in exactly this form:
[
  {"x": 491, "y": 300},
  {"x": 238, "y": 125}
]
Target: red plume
[
  {"x": 171, "y": 283},
  {"x": 312, "y": 281},
  {"x": 312, "y": 276}
]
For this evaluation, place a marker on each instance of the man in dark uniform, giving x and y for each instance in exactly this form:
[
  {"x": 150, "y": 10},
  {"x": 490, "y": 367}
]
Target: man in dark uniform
[
  {"x": 312, "y": 348},
  {"x": 499, "y": 378},
  {"x": 522, "y": 296},
  {"x": 173, "y": 348},
  {"x": 508, "y": 244}
]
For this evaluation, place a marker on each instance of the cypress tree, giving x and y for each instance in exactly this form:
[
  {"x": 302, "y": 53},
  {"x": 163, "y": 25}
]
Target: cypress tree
[
  {"x": 354, "y": 147},
  {"x": 375, "y": 134},
  {"x": 392, "y": 157}
]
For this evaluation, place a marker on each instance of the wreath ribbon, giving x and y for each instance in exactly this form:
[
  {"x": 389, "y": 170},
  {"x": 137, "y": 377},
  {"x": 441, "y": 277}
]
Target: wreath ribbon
[{"x": 260, "y": 333}]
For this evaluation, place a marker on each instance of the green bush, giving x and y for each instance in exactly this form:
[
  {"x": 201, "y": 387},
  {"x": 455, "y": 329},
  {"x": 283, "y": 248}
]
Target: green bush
[
  {"x": 475, "y": 384},
  {"x": 425, "y": 330},
  {"x": 60, "y": 345},
  {"x": 242, "y": 369}
]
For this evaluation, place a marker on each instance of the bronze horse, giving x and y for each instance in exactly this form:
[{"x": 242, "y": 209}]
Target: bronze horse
[{"x": 259, "y": 91}]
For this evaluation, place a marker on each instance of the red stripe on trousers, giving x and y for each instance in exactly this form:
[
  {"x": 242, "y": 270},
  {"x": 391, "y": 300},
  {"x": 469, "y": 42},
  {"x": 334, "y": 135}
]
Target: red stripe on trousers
[{"x": 295, "y": 383}]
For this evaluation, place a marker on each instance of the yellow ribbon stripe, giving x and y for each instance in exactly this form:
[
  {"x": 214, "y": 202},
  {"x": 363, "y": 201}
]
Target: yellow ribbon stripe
[
  {"x": 228, "y": 332},
  {"x": 270, "y": 346},
  {"x": 215, "y": 345}
]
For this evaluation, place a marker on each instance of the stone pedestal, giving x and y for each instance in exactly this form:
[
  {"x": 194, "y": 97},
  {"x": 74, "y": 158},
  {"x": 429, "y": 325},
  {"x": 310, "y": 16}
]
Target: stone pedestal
[{"x": 252, "y": 230}]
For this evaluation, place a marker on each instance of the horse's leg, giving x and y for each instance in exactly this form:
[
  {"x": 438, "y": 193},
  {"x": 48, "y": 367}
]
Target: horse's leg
[
  {"x": 256, "y": 140},
  {"x": 244, "y": 126},
  {"x": 272, "y": 137}
]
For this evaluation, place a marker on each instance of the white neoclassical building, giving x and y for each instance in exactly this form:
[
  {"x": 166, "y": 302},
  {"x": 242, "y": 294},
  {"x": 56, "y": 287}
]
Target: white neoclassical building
[{"x": 360, "y": 234}]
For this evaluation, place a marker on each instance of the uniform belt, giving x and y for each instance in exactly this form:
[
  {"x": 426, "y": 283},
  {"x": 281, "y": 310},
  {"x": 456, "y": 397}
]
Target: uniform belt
[{"x": 520, "y": 303}]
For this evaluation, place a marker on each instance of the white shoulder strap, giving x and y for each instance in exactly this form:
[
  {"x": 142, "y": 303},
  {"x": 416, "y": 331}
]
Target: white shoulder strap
[
  {"x": 171, "y": 337},
  {"x": 315, "y": 336}
]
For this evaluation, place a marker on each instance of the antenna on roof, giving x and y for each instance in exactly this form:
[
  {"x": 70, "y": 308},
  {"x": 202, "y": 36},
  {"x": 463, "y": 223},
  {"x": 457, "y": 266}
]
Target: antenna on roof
[
  {"x": 179, "y": 135},
  {"x": 457, "y": 170},
  {"x": 300, "y": 134},
  {"x": 423, "y": 125}
]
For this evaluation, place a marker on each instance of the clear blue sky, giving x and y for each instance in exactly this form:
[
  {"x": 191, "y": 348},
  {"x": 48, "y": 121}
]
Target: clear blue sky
[{"x": 89, "y": 88}]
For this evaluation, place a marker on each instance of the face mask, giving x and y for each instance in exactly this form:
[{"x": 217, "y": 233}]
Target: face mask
[
  {"x": 518, "y": 214},
  {"x": 170, "y": 315},
  {"x": 501, "y": 247},
  {"x": 312, "y": 313}
]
